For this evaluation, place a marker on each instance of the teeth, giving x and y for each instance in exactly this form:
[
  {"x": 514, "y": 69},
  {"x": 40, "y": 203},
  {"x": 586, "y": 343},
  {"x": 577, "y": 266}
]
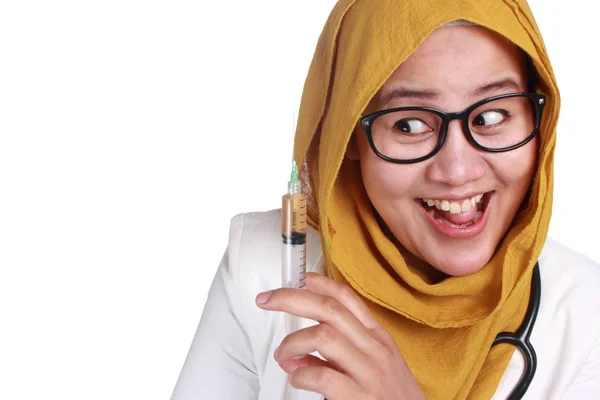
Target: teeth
[
  {"x": 431, "y": 212},
  {"x": 465, "y": 206},
  {"x": 445, "y": 205},
  {"x": 453, "y": 206}
]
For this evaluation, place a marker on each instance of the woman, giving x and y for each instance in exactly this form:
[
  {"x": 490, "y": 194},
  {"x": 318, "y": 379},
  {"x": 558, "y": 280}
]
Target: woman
[{"x": 428, "y": 137}]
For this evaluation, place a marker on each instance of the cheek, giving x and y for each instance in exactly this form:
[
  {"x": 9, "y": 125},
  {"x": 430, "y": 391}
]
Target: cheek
[
  {"x": 516, "y": 168},
  {"x": 386, "y": 182},
  {"x": 378, "y": 176}
]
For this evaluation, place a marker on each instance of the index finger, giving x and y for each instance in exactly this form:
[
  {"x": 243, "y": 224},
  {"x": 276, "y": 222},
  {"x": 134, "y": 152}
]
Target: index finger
[{"x": 345, "y": 295}]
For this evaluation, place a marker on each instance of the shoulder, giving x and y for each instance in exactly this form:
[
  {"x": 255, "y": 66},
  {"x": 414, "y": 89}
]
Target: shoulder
[
  {"x": 567, "y": 330},
  {"x": 567, "y": 272},
  {"x": 254, "y": 258},
  {"x": 255, "y": 245},
  {"x": 570, "y": 283},
  {"x": 557, "y": 250}
]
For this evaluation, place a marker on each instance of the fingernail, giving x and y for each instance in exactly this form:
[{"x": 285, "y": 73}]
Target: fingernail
[
  {"x": 297, "y": 357},
  {"x": 263, "y": 297},
  {"x": 276, "y": 352}
]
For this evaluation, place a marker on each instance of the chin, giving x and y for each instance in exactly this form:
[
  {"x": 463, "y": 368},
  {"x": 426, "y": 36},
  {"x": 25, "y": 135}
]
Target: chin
[{"x": 459, "y": 263}]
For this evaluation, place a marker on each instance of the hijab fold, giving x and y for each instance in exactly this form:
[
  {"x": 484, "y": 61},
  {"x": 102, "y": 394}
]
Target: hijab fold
[{"x": 444, "y": 330}]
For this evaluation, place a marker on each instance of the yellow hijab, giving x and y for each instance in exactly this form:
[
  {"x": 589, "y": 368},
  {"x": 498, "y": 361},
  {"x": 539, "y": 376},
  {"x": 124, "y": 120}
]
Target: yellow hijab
[{"x": 444, "y": 330}]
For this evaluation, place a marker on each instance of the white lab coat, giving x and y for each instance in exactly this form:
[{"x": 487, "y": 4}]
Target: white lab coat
[{"x": 231, "y": 357}]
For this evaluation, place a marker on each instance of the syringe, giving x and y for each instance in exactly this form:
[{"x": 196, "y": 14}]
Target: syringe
[{"x": 293, "y": 235}]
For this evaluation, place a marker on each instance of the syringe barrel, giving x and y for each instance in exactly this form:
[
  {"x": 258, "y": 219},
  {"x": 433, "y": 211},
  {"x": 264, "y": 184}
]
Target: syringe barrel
[
  {"x": 293, "y": 252},
  {"x": 293, "y": 248}
]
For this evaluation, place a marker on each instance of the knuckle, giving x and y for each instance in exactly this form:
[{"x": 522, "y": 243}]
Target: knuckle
[
  {"x": 331, "y": 306},
  {"x": 383, "y": 336},
  {"x": 324, "y": 333},
  {"x": 346, "y": 292},
  {"x": 325, "y": 378}
]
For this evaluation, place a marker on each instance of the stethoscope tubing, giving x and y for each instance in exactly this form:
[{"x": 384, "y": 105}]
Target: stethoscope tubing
[{"x": 520, "y": 339}]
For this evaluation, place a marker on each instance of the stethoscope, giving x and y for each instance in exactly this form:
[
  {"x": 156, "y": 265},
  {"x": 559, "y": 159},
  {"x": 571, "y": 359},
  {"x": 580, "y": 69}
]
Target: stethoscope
[{"x": 520, "y": 339}]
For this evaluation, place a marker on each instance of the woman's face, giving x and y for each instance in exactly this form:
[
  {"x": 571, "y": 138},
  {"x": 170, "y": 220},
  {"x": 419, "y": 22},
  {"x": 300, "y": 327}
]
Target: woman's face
[{"x": 452, "y": 69}]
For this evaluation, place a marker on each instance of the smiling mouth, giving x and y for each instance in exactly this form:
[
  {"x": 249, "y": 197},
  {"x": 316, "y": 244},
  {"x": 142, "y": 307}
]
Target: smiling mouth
[{"x": 457, "y": 214}]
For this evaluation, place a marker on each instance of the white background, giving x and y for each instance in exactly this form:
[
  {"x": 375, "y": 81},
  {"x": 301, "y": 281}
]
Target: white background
[{"x": 131, "y": 132}]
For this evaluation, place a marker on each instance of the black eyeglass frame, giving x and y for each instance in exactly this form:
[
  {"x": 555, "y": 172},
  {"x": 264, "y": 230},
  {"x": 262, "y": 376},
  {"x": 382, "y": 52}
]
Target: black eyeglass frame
[{"x": 538, "y": 99}]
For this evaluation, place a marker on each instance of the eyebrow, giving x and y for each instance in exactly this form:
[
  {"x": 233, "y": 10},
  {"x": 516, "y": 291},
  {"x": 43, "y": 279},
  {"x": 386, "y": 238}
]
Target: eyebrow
[
  {"x": 506, "y": 83},
  {"x": 402, "y": 92}
]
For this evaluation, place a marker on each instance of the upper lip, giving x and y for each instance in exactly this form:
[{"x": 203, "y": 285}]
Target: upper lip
[{"x": 454, "y": 196}]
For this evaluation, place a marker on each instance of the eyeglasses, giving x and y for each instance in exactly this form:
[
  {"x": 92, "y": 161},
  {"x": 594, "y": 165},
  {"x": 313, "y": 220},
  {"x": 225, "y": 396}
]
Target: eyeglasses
[{"x": 407, "y": 135}]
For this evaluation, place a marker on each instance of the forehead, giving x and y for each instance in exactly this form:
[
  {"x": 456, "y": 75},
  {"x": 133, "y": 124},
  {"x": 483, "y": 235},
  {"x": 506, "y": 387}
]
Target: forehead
[
  {"x": 459, "y": 59},
  {"x": 461, "y": 38}
]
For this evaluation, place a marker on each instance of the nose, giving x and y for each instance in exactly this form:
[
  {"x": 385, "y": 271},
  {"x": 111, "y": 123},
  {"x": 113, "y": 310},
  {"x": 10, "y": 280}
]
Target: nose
[{"x": 458, "y": 162}]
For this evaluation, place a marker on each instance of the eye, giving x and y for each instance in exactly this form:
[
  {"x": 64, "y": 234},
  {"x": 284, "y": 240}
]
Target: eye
[
  {"x": 412, "y": 125},
  {"x": 491, "y": 117}
]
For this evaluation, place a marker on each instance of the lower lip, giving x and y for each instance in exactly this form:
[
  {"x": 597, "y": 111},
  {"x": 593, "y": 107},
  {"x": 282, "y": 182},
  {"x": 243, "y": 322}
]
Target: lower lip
[{"x": 459, "y": 233}]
